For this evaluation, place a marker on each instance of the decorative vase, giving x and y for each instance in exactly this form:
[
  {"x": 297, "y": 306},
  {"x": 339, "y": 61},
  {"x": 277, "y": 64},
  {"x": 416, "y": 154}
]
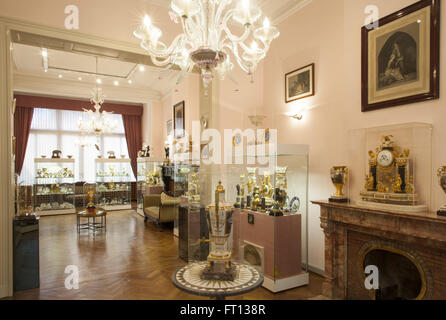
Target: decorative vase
[
  {"x": 339, "y": 178},
  {"x": 441, "y": 173}
]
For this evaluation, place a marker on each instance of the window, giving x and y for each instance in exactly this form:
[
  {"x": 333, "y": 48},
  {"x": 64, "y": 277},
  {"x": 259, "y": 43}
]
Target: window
[{"x": 57, "y": 130}]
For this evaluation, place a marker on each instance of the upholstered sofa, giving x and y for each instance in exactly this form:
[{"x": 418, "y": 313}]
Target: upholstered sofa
[{"x": 160, "y": 208}]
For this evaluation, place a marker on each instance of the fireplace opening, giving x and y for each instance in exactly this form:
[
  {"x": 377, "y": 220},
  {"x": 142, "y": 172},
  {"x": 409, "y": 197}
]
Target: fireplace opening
[{"x": 401, "y": 277}]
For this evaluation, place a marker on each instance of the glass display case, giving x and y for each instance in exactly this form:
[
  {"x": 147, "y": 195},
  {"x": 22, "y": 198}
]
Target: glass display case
[
  {"x": 149, "y": 180},
  {"x": 391, "y": 167},
  {"x": 113, "y": 184},
  {"x": 54, "y": 186},
  {"x": 24, "y": 199},
  {"x": 265, "y": 219}
]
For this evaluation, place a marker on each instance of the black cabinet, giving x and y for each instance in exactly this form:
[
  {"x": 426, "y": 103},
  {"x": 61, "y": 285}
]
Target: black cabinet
[{"x": 26, "y": 253}]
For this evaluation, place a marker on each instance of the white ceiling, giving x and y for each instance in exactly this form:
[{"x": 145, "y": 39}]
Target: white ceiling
[
  {"x": 276, "y": 10},
  {"x": 148, "y": 85},
  {"x": 28, "y": 62}
]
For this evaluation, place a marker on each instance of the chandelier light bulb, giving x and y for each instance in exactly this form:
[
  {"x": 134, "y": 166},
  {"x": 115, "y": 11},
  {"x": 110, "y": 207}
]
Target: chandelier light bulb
[
  {"x": 245, "y": 4},
  {"x": 266, "y": 23},
  {"x": 147, "y": 21},
  {"x": 142, "y": 68},
  {"x": 254, "y": 46},
  {"x": 44, "y": 53}
]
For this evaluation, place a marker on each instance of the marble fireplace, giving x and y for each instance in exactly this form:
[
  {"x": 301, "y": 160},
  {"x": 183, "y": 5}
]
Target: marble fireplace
[{"x": 408, "y": 249}]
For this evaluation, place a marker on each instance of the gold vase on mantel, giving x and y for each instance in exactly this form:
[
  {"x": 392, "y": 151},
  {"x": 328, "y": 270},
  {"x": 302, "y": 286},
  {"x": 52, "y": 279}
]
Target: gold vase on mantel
[
  {"x": 441, "y": 173},
  {"x": 339, "y": 178}
]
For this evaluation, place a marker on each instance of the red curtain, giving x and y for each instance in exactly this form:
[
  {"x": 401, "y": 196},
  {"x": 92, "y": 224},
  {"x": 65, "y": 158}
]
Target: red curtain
[
  {"x": 133, "y": 134},
  {"x": 75, "y": 105},
  {"x": 22, "y": 125}
]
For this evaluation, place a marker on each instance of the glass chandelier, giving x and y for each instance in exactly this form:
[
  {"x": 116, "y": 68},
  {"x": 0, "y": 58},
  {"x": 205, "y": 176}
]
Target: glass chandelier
[
  {"x": 207, "y": 41},
  {"x": 98, "y": 122}
]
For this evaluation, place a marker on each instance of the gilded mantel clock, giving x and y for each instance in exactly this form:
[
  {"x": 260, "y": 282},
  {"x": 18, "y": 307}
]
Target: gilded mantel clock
[{"x": 389, "y": 178}]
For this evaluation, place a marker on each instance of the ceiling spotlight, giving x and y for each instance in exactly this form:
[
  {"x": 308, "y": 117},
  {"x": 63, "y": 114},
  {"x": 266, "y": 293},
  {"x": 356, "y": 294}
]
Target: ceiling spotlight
[
  {"x": 46, "y": 70},
  {"x": 142, "y": 68},
  {"x": 98, "y": 81},
  {"x": 80, "y": 78},
  {"x": 116, "y": 83},
  {"x": 130, "y": 81},
  {"x": 60, "y": 76}
]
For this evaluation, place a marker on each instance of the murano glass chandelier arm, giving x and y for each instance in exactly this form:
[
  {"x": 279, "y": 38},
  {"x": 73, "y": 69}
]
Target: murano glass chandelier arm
[
  {"x": 166, "y": 52},
  {"x": 221, "y": 7},
  {"x": 240, "y": 62},
  {"x": 229, "y": 34}
]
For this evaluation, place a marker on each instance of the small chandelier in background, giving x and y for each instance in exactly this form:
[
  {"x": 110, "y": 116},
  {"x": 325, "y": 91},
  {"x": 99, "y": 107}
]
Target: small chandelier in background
[
  {"x": 98, "y": 122},
  {"x": 206, "y": 41}
]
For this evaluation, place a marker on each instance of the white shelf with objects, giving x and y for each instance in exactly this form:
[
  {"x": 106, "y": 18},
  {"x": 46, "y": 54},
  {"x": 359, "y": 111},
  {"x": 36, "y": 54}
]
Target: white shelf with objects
[
  {"x": 113, "y": 183},
  {"x": 54, "y": 186},
  {"x": 149, "y": 179}
]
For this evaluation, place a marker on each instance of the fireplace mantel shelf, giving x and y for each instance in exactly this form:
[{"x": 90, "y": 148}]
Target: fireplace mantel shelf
[{"x": 424, "y": 216}]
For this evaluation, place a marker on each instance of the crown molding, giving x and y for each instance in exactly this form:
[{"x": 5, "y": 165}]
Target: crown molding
[
  {"x": 289, "y": 11},
  {"x": 32, "y": 84}
]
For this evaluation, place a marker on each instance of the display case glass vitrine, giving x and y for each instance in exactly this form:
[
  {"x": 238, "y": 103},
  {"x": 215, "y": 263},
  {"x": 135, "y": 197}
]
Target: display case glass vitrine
[
  {"x": 24, "y": 199},
  {"x": 391, "y": 167},
  {"x": 149, "y": 180},
  {"x": 113, "y": 183},
  {"x": 265, "y": 218},
  {"x": 54, "y": 186}
]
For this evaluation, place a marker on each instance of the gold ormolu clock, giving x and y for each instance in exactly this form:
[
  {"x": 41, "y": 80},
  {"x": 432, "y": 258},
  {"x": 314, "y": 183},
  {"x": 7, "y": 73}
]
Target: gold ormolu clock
[{"x": 389, "y": 178}]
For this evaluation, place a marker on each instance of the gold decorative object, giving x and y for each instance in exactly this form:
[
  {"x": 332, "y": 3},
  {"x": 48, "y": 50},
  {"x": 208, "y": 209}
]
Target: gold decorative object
[
  {"x": 90, "y": 205},
  {"x": 339, "y": 177},
  {"x": 267, "y": 190},
  {"x": 219, "y": 218},
  {"x": 389, "y": 178},
  {"x": 441, "y": 173},
  {"x": 252, "y": 179},
  {"x": 256, "y": 202}
]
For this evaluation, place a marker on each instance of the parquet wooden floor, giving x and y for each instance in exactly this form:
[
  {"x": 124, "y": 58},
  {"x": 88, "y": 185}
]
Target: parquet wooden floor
[{"x": 132, "y": 260}]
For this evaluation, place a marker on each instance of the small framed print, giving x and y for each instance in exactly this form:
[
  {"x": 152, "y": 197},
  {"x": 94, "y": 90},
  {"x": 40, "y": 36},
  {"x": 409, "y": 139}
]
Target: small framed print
[
  {"x": 179, "y": 120},
  {"x": 169, "y": 127},
  {"x": 299, "y": 84},
  {"x": 401, "y": 56}
]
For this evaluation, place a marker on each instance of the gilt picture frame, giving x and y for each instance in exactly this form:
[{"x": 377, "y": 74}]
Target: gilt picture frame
[
  {"x": 299, "y": 84},
  {"x": 401, "y": 56},
  {"x": 179, "y": 120}
]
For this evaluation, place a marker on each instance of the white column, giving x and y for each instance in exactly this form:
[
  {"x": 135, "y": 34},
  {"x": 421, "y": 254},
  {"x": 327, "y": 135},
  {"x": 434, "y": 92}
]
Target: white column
[{"x": 6, "y": 163}]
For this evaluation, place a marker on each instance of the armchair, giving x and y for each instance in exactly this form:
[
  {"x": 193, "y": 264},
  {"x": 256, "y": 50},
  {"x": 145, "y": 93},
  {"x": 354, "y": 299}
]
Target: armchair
[{"x": 160, "y": 208}]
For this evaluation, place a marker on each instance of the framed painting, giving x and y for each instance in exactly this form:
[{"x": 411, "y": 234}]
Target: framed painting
[
  {"x": 400, "y": 57},
  {"x": 179, "y": 120},
  {"x": 169, "y": 127},
  {"x": 299, "y": 84}
]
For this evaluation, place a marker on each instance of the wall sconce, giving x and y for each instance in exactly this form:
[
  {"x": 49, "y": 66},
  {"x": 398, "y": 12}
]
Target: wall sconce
[{"x": 297, "y": 116}]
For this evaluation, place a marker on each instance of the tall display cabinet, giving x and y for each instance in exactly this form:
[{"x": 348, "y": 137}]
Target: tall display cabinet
[
  {"x": 268, "y": 197},
  {"x": 113, "y": 184},
  {"x": 54, "y": 186}
]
